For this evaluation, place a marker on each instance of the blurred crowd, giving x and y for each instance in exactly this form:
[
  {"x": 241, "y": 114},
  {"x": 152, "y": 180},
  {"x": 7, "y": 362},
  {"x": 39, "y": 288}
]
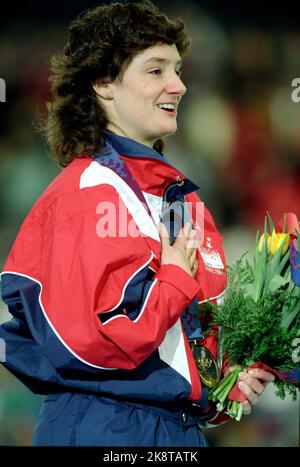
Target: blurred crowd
[{"x": 238, "y": 138}]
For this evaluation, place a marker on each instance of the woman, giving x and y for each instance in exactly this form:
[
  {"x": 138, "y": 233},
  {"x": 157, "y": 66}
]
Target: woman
[{"x": 101, "y": 294}]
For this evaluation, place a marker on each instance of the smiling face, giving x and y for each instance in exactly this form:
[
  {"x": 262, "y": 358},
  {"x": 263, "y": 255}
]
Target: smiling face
[{"x": 144, "y": 104}]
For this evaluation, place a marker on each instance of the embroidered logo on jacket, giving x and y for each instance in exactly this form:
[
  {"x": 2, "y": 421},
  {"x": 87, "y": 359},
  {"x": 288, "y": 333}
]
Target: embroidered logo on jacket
[{"x": 211, "y": 257}]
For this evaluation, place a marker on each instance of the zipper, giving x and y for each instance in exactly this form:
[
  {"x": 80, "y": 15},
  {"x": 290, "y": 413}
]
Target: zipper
[
  {"x": 179, "y": 182},
  {"x": 180, "y": 209},
  {"x": 168, "y": 214}
]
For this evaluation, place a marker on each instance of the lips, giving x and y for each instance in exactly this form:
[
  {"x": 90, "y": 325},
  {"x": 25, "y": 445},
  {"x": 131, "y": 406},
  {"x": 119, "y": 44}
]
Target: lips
[
  {"x": 171, "y": 112},
  {"x": 168, "y": 104}
]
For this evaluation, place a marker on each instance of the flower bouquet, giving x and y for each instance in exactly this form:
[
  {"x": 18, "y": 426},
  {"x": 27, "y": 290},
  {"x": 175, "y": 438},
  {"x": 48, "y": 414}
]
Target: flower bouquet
[{"x": 259, "y": 318}]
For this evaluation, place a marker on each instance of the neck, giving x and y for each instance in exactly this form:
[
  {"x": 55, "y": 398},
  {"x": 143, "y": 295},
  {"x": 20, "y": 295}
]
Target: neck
[{"x": 119, "y": 131}]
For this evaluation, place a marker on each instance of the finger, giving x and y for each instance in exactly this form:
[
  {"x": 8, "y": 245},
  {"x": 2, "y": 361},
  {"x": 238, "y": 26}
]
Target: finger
[
  {"x": 188, "y": 226},
  {"x": 248, "y": 392},
  {"x": 194, "y": 268},
  {"x": 261, "y": 374},
  {"x": 230, "y": 369},
  {"x": 192, "y": 256},
  {"x": 254, "y": 384},
  {"x": 164, "y": 235},
  {"x": 192, "y": 246},
  {"x": 246, "y": 408},
  {"x": 182, "y": 236},
  {"x": 192, "y": 241},
  {"x": 187, "y": 229}
]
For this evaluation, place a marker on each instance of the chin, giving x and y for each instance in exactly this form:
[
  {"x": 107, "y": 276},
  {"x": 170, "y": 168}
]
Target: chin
[{"x": 168, "y": 131}]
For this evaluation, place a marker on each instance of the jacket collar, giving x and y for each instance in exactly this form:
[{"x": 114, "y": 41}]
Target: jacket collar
[
  {"x": 162, "y": 175},
  {"x": 131, "y": 148}
]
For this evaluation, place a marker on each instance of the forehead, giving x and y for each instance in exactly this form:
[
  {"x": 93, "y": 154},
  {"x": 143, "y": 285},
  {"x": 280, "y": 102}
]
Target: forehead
[{"x": 160, "y": 52}]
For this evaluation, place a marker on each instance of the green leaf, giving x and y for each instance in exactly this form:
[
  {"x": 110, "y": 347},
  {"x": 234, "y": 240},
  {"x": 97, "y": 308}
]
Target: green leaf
[
  {"x": 284, "y": 224},
  {"x": 276, "y": 282},
  {"x": 275, "y": 265},
  {"x": 270, "y": 222},
  {"x": 260, "y": 263},
  {"x": 292, "y": 307},
  {"x": 288, "y": 319}
]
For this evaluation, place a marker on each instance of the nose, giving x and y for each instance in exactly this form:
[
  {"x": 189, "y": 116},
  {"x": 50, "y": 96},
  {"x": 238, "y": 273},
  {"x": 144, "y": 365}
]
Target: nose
[{"x": 175, "y": 85}]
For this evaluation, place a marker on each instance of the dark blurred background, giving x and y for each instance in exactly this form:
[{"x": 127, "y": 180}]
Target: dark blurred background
[{"x": 238, "y": 137}]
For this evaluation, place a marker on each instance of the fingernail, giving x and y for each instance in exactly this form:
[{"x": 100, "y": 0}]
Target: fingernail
[
  {"x": 251, "y": 372},
  {"x": 242, "y": 375}
]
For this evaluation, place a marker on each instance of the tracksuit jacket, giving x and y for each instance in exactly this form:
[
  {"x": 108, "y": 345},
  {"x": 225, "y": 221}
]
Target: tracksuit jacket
[{"x": 98, "y": 324}]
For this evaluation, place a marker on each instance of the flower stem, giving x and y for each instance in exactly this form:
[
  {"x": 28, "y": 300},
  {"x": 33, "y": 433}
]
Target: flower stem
[
  {"x": 224, "y": 383},
  {"x": 230, "y": 385},
  {"x": 240, "y": 411}
]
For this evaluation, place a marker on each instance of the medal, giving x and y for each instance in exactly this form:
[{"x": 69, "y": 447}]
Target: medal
[{"x": 207, "y": 367}]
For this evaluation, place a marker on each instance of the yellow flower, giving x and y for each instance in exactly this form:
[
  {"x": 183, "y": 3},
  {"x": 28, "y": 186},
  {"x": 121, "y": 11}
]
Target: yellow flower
[
  {"x": 262, "y": 241},
  {"x": 275, "y": 242}
]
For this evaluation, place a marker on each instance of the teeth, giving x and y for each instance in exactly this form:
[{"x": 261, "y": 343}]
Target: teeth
[{"x": 167, "y": 106}]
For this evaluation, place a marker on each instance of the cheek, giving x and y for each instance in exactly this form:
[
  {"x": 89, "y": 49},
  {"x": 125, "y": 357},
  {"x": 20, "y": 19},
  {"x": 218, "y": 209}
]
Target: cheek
[{"x": 150, "y": 92}]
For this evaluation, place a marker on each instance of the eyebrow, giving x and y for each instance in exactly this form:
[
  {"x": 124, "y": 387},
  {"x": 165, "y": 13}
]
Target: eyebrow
[{"x": 162, "y": 60}]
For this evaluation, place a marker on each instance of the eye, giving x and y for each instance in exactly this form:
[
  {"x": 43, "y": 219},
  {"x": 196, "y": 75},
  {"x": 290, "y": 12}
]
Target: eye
[{"x": 157, "y": 71}]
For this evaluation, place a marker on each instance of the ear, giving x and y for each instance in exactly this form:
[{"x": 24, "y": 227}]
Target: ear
[{"x": 102, "y": 88}]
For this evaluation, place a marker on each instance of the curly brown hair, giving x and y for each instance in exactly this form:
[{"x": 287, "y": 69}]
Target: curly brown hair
[{"x": 101, "y": 44}]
